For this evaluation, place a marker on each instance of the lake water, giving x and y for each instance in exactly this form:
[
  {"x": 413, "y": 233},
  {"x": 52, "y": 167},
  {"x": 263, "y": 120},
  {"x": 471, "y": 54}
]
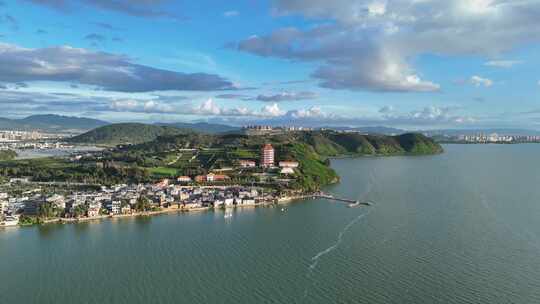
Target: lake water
[{"x": 461, "y": 227}]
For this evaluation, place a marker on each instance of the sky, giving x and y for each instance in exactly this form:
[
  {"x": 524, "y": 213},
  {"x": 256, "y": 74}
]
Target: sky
[{"x": 412, "y": 64}]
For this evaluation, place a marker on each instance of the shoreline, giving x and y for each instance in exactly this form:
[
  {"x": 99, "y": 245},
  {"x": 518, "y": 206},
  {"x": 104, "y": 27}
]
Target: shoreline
[{"x": 173, "y": 209}]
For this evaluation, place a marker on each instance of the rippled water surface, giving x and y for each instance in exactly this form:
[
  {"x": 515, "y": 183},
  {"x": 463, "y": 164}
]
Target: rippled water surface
[{"x": 462, "y": 227}]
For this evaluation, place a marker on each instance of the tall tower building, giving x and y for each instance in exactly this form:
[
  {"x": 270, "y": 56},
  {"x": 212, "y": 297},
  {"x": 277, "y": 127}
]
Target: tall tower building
[{"x": 267, "y": 156}]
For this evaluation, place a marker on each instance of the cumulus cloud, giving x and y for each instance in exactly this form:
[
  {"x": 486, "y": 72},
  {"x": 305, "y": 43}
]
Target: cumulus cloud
[
  {"x": 370, "y": 44},
  {"x": 313, "y": 112},
  {"x": 350, "y": 60},
  {"x": 287, "y": 96},
  {"x": 148, "y": 106},
  {"x": 104, "y": 70},
  {"x": 479, "y": 81},
  {"x": 272, "y": 110},
  {"x": 21, "y": 103},
  {"x": 431, "y": 115},
  {"x": 137, "y": 8},
  {"x": 503, "y": 63}
]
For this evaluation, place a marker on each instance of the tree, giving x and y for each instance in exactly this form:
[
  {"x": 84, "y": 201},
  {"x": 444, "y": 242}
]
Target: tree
[
  {"x": 80, "y": 210},
  {"x": 143, "y": 204}
]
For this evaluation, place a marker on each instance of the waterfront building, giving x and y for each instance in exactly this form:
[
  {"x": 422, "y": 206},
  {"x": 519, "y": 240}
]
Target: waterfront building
[
  {"x": 267, "y": 156},
  {"x": 93, "y": 210},
  {"x": 31, "y": 206},
  {"x": 3, "y": 208},
  {"x": 3, "y": 203},
  {"x": 113, "y": 207},
  {"x": 58, "y": 200},
  {"x": 126, "y": 210}
]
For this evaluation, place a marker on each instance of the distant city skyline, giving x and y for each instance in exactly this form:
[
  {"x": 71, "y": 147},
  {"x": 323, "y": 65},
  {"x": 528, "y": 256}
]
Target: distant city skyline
[{"x": 399, "y": 63}]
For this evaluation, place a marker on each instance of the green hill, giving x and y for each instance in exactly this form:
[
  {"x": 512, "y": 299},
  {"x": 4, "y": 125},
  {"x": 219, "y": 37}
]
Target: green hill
[
  {"x": 159, "y": 151},
  {"x": 310, "y": 149},
  {"x": 324, "y": 143},
  {"x": 331, "y": 143},
  {"x": 125, "y": 133}
]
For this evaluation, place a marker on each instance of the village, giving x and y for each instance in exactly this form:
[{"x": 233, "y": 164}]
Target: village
[{"x": 183, "y": 193}]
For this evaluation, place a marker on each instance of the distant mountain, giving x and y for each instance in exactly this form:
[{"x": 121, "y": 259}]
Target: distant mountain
[
  {"x": 125, "y": 133},
  {"x": 51, "y": 122},
  {"x": 202, "y": 127}
]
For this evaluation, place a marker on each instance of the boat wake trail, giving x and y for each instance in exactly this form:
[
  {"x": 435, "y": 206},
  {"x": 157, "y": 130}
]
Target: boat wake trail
[
  {"x": 315, "y": 259},
  {"x": 339, "y": 240}
]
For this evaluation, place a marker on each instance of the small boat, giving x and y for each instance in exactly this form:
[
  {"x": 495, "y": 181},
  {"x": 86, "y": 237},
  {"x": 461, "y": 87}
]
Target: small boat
[{"x": 283, "y": 209}]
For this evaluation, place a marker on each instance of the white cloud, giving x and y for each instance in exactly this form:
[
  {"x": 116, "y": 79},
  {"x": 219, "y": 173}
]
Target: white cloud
[
  {"x": 503, "y": 63},
  {"x": 380, "y": 71},
  {"x": 431, "y": 115},
  {"x": 141, "y": 106},
  {"x": 371, "y": 44},
  {"x": 208, "y": 107},
  {"x": 479, "y": 81},
  {"x": 313, "y": 112},
  {"x": 272, "y": 110}
]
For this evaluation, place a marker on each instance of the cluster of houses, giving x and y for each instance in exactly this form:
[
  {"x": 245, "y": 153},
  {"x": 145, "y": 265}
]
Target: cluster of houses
[{"x": 123, "y": 199}]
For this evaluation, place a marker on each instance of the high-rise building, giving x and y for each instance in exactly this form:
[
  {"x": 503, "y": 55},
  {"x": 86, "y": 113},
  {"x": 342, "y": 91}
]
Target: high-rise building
[{"x": 267, "y": 156}]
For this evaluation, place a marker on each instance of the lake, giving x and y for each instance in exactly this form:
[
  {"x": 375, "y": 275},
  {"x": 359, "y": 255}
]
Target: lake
[{"x": 461, "y": 227}]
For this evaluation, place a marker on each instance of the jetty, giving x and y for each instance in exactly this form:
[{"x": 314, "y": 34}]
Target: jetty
[{"x": 351, "y": 203}]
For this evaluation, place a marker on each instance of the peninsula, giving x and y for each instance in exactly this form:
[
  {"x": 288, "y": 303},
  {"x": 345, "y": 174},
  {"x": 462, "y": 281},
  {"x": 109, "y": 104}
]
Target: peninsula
[{"x": 161, "y": 169}]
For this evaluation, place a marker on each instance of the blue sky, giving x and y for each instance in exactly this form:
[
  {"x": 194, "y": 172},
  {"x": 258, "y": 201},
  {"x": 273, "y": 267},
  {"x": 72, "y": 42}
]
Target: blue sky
[{"x": 415, "y": 64}]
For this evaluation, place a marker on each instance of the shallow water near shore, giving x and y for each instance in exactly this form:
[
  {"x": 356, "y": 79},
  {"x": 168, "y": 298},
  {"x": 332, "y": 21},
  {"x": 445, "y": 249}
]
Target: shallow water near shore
[{"x": 461, "y": 227}]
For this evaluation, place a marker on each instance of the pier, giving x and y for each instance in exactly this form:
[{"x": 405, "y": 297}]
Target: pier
[{"x": 351, "y": 203}]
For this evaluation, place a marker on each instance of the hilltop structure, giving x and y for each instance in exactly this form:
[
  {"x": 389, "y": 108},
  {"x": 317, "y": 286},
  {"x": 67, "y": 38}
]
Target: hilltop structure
[{"x": 267, "y": 156}]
